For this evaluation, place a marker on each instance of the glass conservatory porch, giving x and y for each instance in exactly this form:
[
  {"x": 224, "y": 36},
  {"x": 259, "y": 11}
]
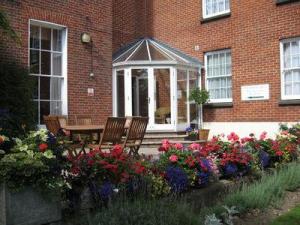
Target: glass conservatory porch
[{"x": 154, "y": 80}]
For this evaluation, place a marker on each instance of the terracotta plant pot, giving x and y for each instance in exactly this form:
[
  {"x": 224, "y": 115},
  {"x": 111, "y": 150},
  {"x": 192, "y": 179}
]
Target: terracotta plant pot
[{"x": 203, "y": 134}]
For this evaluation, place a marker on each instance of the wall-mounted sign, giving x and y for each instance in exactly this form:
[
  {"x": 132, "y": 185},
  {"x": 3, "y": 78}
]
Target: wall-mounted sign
[
  {"x": 90, "y": 91},
  {"x": 255, "y": 92}
]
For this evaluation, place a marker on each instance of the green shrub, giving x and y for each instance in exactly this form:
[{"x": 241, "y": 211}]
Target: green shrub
[
  {"x": 17, "y": 110},
  {"x": 151, "y": 212},
  {"x": 267, "y": 191}
]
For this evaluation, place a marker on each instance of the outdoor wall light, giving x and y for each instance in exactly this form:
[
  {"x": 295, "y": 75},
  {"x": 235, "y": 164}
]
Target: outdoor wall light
[{"x": 86, "y": 38}]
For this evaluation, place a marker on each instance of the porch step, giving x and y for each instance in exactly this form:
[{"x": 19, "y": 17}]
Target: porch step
[
  {"x": 147, "y": 144},
  {"x": 160, "y": 137}
]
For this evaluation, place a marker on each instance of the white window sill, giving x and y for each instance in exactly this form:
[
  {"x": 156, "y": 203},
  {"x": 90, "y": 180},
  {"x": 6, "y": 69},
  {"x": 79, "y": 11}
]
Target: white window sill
[{"x": 215, "y": 17}]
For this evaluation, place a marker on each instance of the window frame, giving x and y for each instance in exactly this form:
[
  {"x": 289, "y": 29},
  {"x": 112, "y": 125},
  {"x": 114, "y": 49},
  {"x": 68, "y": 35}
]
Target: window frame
[
  {"x": 205, "y": 16},
  {"x": 64, "y": 60},
  {"x": 220, "y": 100},
  {"x": 283, "y": 70}
]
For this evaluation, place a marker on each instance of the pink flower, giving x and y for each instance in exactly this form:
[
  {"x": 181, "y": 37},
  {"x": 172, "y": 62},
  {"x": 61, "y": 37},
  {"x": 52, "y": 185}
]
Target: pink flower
[
  {"x": 178, "y": 146},
  {"x": 233, "y": 137},
  {"x": 194, "y": 147},
  {"x": 284, "y": 132},
  {"x": 263, "y": 135},
  {"x": 166, "y": 144},
  {"x": 173, "y": 158}
]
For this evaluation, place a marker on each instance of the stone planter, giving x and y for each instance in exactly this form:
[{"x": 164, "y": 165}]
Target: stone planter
[{"x": 28, "y": 207}]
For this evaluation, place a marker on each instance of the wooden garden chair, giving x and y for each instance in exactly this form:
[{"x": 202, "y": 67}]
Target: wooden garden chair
[
  {"x": 135, "y": 134},
  {"x": 113, "y": 132},
  {"x": 52, "y": 124}
]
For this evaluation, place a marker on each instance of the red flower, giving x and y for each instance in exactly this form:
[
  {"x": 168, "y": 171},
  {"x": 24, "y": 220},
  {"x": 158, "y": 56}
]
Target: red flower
[
  {"x": 279, "y": 153},
  {"x": 113, "y": 168},
  {"x": 190, "y": 161},
  {"x": 173, "y": 158},
  {"x": 43, "y": 147},
  {"x": 1, "y": 139},
  {"x": 138, "y": 168},
  {"x": 124, "y": 177},
  {"x": 117, "y": 151}
]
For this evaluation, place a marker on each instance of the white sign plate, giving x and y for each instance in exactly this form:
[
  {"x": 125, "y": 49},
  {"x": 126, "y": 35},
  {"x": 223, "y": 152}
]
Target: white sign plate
[{"x": 255, "y": 92}]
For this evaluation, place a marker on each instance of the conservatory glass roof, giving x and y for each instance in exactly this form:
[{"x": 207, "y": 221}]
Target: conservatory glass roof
[{"x": 150, "y": 51}]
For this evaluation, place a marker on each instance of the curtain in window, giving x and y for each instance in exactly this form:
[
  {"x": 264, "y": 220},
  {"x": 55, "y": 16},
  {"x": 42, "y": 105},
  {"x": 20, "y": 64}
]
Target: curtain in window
[
  {"x": 291, "y": 70},
  {"x": 219, "y": 75}
]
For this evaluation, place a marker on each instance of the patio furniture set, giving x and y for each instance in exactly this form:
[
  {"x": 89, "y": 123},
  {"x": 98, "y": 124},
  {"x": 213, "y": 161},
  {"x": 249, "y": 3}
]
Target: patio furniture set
[{"x": 128, "y": 132}]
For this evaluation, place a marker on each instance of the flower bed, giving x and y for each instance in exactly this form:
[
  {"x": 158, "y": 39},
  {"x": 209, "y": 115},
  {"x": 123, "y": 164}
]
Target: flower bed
[{"x": 39, "y": 160}]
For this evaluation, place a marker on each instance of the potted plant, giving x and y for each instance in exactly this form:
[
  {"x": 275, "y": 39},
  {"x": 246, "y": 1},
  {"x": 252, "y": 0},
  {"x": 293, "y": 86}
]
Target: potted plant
[
  {"x": 192, "y": 134},
  {"x": 30, "y": 180},
  {"x": 200, "y": 97}
]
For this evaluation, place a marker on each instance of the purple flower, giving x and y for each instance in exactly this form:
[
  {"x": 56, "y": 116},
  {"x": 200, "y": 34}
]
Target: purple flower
[
  {"x": 230, "y": 169},
  {"x": 177, "y": 179},
  {"x": 264, "y": 158}
]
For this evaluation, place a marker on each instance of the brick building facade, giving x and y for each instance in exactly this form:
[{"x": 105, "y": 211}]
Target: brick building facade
[
  {"x": 253, "y": 33},
  {"x": 76, "y": 17},
  {"x": 251, "y": 30}
]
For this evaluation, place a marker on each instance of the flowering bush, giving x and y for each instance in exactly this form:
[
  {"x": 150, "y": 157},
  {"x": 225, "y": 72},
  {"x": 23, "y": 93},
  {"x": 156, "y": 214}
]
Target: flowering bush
[
  {"x": 34, "y": 161},
  {"x": 175, "y": 159},
  {"x": 103, "y": 171}
]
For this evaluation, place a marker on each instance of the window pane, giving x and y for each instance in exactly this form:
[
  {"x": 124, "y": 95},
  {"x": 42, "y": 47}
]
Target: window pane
[
  {"x": 120, "y": 93},
  {"x": 226, "y": 4},
  {"x": 55, "y": 88},
  {"x": 287, "y": 57},
  {"x": 57, "y": 40},
  {"x": 182, "y": 96},
  {"x": 141, "y": 53},
  {"x": 55, "y": 108},
  {"x": 45, "y": 63},
  {"x": 296, "y": 60},
  {"x": 288, "y": 77},
  {"x": 295, "y": 48},
  {"x": 46, "y": 38},
  {"x": 45, "y": 88},
  {"x": 34, "y": 37},
  {"x": 35, "y": 91},
  {"x": 288, "y": 89},
  {"x": 162, "y": 110},
  {"x": 34, "y": 61},
  {"x": 57, "y": 64},
  {"x": 297, "y": 89},
  {"x": 296, "y": 76},
  {"x": 44, "y": 110},
  {"x": 193, "y": 113}
]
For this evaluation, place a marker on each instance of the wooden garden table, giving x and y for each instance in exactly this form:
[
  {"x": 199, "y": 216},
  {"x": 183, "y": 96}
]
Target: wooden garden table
[{"x": 84, "y": 129}]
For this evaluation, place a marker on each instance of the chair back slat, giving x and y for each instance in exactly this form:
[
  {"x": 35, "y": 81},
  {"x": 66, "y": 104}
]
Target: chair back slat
[
  {"x": 63, "y": 121},
  {"x": 84, "y": 120},
  {"x": 52, "y": 124},
  {"x": 137, "y": 129},
  {"x": 113, "y": 131}
]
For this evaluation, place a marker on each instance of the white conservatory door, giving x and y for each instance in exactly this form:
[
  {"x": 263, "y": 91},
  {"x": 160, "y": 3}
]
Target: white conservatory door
[{"x": 161, "y": 97}]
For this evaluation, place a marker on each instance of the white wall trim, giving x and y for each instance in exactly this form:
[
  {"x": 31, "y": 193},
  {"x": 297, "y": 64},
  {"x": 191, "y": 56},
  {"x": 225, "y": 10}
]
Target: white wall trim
[{"x": 243, "y": 129}]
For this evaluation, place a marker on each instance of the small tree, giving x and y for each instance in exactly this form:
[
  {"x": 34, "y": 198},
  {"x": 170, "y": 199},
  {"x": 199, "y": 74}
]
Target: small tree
[
  {"x": 200, "y": 97},
  {"x": 6, "y": 28},
  {"x": 17, "y": 109}
]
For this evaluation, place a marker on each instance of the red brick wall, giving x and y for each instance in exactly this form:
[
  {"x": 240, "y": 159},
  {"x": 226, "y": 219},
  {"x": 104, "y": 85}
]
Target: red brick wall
[
  {"x": 252, "y": 32},
  {"x": 129, "y": 21},
  {"x": 94, "y": 17}
]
